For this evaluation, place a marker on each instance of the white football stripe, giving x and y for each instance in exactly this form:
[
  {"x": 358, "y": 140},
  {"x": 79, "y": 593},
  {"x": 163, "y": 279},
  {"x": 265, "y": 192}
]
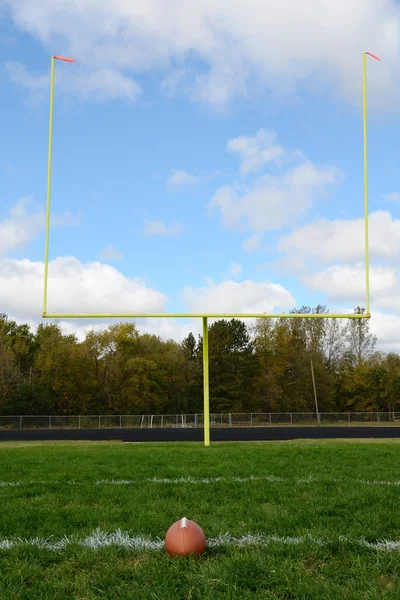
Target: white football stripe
[
  {"x": 270, "y": 478},
  {"x": 100, "y": 539},
  {"x": 206, "y": 481}
]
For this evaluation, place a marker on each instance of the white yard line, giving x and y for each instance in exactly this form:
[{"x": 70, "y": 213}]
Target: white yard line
[
  {"x": 194, "y": 480},
  {"x": 270, "y": 478},
  {"x": 206, "y": 481},
  {"x": 100, "y": 539}
]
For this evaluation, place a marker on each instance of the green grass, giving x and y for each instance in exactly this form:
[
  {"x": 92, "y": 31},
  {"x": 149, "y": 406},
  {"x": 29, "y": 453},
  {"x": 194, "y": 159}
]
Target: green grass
[{"x": 336, "y": 502}]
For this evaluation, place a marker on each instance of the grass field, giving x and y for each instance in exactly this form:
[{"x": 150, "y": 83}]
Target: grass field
[{"x": 284, "y": 520}]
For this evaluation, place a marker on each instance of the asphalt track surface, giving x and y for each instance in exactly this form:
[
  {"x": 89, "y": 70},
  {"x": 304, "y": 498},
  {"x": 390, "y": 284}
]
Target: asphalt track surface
[{"x": 234, "y": 434}]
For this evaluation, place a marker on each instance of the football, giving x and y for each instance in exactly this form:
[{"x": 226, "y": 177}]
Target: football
[{"x": 185, "y": 537}]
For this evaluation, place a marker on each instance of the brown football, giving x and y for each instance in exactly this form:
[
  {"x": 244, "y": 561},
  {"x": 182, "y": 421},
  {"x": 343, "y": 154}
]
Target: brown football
[{"x": 185, "y": 537}]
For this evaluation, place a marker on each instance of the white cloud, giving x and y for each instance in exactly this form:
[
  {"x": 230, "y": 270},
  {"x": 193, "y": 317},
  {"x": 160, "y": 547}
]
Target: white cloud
[
  {"x": 256, "y": 151},
  {"x": 100, "y": 84},
  {"x": 347, "y": 282},
  {"x": 174, "y": 79},
  {"x": 392, "y": 197},
  {"x": 23, "y": 227},
  {"x": 328, "y": 241},
  {"x": 166, "y": 329},
  {"x": 182, "y": 179},
  {"x": 239, "y": 47},
  {"x": 37, "y": 84},
  {"x": 97, "y": 84},
  {"x": 386, "y": 328},
  {"x": 83, "y": 287},
  {"x": 340, "y": 246},
  {"x": 95, "y": 287},
  {"x": 342, "y": 243},
  {"x": 273, "y": 201},
  {"x": 73, "y": 287},
  {"x": 222, "y": 82},
  {"x": 252, "y": 243},
  {"x": 234, "y": 269},
  {"x": 170, "y": 328},
  {"x": 159, "y": 228},
  {"x": 19, "y": 228},
  {"x": 238, "y": 297},
  {"x": 110, "y": 253}
]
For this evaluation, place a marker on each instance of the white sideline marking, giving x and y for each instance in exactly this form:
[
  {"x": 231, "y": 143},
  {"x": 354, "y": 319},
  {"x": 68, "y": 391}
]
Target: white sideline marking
[
  {"x": 226, "y": 539},
  {"x": 185, "y": 480},
  {"x": 115, "y": 482},
  {"x": 379, "y": 482},
  {"x": 271, "y": 478},
  {"x": 38, "y": 542},
  {"x": 100, "y": 539},
  {"x": 10, "y": 483},
  {"x": 193, "y": 480},
  {"x": 205, "y": 480}
]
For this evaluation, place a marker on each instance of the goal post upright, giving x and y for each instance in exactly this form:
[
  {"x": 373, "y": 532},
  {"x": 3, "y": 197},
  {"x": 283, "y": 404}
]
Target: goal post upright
[
  {"x": 211, "y": 315},
  {"x": 366, "y": 216},
  {"x": 49, "y": 159},
  {"x": 49, "y": 162},
  {"x": 206, "y": 383}
]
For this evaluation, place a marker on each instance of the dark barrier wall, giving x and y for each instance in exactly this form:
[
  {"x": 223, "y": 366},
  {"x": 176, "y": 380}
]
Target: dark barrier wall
[{"x": 196, "y": 435}]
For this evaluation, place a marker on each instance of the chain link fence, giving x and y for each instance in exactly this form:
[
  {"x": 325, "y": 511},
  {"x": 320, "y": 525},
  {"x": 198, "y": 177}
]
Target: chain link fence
[{"x": 292, "y": 419}]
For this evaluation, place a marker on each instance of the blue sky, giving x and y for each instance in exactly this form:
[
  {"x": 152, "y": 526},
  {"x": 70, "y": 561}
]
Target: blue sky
[{"x": 211, "y": 166}]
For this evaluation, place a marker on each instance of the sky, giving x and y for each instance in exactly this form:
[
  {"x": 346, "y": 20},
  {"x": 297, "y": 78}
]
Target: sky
[{"x": 207, "y": 157}]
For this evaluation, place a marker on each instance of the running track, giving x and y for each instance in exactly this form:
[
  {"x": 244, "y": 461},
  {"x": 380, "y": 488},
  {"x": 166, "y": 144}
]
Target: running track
[{"x": 236, "y": 434}]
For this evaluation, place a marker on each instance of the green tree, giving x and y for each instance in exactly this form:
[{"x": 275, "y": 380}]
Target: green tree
[
  {"x": 232, "y": 367},
  {"x": 192, "y": 372},
  {"x": 391, "y": 382},
  {"x": 59, "y": 371},
  {"x": 309, "y": 342},
  {"x": 361, "y": 342},
  {"x": 272, "y": 348}
]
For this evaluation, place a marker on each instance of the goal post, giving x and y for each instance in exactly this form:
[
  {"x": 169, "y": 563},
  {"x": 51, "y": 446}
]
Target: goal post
[{"x": 208, "y": 315}]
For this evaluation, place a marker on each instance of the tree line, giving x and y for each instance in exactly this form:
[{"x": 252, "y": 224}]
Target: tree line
[{"x": 261, "y": 367}]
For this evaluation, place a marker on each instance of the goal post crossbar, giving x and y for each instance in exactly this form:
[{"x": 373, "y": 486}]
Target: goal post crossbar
[{"x": 205, "y": 315}]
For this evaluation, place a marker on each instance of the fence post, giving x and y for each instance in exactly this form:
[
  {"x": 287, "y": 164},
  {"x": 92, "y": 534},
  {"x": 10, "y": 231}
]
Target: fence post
[
  {"x": 162, "y": 421},
  {"x": 79, "y": 422},
  {"x": 20, "y": 422},
  {"x": 348, "y": 415},
  {"x": 49, "y": 422},
  {"x": 270, "y": 420},
  {"x": 251, "y": 419},
  {"x": 195, "y": 420},
  {"x": 378, "y": 419},
  {"x": 99, "y": 421},
  {"x": 291, "y": 419},
  {"x": 120, "y": 421},
  {"x": 230, "y": 419}
]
